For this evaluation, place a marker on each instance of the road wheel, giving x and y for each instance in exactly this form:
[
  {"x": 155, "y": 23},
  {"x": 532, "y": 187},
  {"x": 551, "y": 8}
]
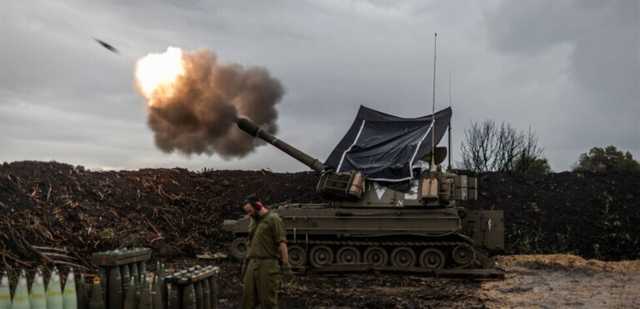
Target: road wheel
[
  {"x": 297, "y": 256},
  {"x": 403, "y": 257},
  {"x": 432, "y": 258},
  {"x": 463, "y": 254},
  {"x": 376, "y": 256},
  {"x": 348, "y": 255},
  {"x": 321, "y": 256},
  {"x": 239, "y": 248}
]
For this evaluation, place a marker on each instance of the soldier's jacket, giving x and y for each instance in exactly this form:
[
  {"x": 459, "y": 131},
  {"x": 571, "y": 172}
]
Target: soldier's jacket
[
  {"x": 265, "y": 235},
  {"x": 262, "y": 277}
]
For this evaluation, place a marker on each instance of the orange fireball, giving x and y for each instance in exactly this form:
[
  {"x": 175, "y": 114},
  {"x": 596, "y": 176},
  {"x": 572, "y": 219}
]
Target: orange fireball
[{"x": 157, "y": 73}]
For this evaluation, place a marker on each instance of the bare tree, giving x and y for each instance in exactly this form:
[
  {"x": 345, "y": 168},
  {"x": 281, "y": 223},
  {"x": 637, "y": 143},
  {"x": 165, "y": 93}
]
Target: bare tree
[
  {"x": 478, "y": 146},
  {"x": 489, "y": 147}
]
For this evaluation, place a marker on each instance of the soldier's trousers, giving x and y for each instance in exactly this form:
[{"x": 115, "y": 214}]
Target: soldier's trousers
[{"x": 261, "y": 283}]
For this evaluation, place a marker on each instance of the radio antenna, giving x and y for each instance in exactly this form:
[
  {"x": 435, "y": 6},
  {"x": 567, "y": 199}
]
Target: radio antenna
[
  {"x": 433, "y": 106},
  {"x": 449, "y": 133}
]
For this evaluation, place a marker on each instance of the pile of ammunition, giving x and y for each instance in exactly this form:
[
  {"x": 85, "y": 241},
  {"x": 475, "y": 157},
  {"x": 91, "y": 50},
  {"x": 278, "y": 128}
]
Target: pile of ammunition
[
  {"x": 39, "y": 296},
  {"x": 123, "y": 284},
  {"x": 124, "y": 277},
  {"x": 192, "y": 288}
]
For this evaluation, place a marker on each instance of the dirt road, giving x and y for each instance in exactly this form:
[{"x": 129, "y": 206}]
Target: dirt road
[
  {"x": 532, "y": 281},
  {"x": 564, "y": 281}
]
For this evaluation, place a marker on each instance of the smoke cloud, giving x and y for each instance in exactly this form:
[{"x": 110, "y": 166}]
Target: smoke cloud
[{"x": 196, "y": 112}]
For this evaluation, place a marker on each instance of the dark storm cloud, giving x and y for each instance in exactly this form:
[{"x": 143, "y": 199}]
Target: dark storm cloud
[
  {"x": 603, "y": 62},
  {"x": 564, "y": 67},
  {"x": 604, "y": 36}
]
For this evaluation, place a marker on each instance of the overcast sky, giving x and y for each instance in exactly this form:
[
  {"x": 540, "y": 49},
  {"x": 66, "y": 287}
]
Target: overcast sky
[{"x": 570, "y": 70}]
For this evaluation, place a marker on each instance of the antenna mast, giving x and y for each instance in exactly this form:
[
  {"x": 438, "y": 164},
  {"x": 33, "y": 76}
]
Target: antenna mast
[
  {"x": 449, "y": 133},
  {"x": 433, "y": 106}
]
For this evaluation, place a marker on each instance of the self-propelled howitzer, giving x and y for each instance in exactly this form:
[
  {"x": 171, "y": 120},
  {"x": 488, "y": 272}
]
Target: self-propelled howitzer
[{"x": 418, "y": 225}]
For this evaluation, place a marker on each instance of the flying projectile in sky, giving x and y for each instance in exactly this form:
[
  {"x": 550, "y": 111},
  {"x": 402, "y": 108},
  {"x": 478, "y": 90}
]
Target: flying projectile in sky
[{"x": 107, "y": 46}]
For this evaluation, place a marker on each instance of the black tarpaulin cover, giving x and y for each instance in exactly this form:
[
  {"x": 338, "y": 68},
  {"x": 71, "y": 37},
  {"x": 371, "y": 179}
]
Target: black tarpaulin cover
[{"x": 385, "y": 147}]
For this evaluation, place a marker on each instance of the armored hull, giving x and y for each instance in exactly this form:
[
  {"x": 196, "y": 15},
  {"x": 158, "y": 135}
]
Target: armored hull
[{"x": 323, "y": 235}]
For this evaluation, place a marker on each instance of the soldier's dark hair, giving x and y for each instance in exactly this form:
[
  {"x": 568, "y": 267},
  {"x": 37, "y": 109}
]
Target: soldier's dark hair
[{"x": 252, "y": 200}]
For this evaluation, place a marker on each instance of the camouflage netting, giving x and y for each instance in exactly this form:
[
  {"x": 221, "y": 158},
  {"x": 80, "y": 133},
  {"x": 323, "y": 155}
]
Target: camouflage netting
[{"x": 178, "y": 212}]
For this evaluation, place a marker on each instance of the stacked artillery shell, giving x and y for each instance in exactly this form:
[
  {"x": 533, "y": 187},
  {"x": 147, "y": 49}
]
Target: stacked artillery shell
[
  {"x": 142, "y": 268},
  {"x": 188, "y": 297},
  {"x": 173, "y": 299},
  {"x": 130, "y": 296},
  {"x": 213, "y": 291},
  {"x": 114, "y": 291},
  {"x": 193, "y": 288},
  {"x": 81, "y": 290},
  {"x": 160, "y": 282},
  {"x": 158, "y": 300},
  {"x": 134, "y": 272},
  {"x": 54, "y": 291},
  {"x": 38, "y": 294},
  {"x": 126, "y": 278},
  {"x": 144, "y": 295},
  {"x": 69, "y": 297},
  {"x": 118, "y": 269},
  {"x": 97, "y": 296},
  {"x": 21, "y": 295},
  {"x": 5, "y": 292},
  {"x": 199, "y": 295}
]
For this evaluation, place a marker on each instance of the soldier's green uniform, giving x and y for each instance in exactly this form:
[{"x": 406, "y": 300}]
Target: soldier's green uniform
[{"x": 262, "y": 275}]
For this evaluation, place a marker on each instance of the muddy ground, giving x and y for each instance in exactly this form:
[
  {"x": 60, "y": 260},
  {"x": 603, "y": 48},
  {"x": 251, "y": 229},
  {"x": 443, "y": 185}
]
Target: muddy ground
[{"x": 532, "y": 281}]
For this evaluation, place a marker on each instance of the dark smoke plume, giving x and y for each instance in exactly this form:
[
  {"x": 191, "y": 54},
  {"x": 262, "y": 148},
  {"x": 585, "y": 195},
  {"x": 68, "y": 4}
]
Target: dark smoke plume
[{"x": 198, "y": 114}]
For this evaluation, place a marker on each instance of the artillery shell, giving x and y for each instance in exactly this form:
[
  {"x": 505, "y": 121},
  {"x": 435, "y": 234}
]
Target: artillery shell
[
  {"x": 206, "y": 294},
  {"x": 142, "y": 268},
  {"x": 130, "y": 295},
  {"x": 189, "y": 297},
  {"x": 164, "y": 292},
  {"x": 145, "y": 301},
  {"x": 115, "y": 293},
  {"x": 104, "y": 279},
  {"x": 69, "y": 297},
  {"x": 156, "y": 293},
  {"x": 38, "y": 294},
  {"x": 134, "y": 271},
  {"x": 21, "y": 295},
  {"x": 140, "y": 286},
  {"x": 124, "y": 271},
  {"x": 97, "y": 297},
  {"x": 199, "y": 294},
  {"x": 5, "y": 292},
  {"x": 173, "y": 298},
  {"x": 213, "y": 291},
  {"x": 54, "y": 291},
  {"x": 81, "y": 291}
]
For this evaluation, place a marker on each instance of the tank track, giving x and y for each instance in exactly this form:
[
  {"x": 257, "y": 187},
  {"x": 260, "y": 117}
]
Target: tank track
[
  {"x": 414, "y": 255},
  {"x": 378, "y": 243},
  {"x": 428, "y": 255}
]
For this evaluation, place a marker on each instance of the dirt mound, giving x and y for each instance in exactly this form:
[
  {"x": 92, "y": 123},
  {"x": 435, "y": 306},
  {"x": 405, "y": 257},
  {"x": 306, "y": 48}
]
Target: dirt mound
[
  {"x": 566, "y": 262},
  {"x": 174, "y": 211},
  {"x": 178, "y": 212}
]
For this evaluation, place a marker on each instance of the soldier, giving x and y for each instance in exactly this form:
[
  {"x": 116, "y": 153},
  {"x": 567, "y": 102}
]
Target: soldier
[{"x": 267, "y": 244}]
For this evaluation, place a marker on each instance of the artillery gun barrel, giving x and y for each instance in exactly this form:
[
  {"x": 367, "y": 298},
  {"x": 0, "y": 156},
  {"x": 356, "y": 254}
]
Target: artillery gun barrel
[{"x": 252, "y": 129}]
